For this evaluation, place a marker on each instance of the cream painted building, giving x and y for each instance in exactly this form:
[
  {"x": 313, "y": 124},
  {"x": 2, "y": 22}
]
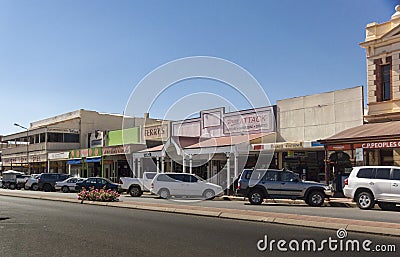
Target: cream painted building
[
  {"x": 382, "y": 44},
  {"x": 377, "y": 142},
  {"x": 30, "y": 149}
]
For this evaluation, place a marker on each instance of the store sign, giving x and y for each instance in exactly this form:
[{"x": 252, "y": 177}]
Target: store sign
[
  {"x": 114, "y": 150},
  {"x": 390, "y": 144},
  {"x": 285, "y": 145},
  {"x": 91, "y": 152},
  {"x": 97, "y": 139},
  {"x": 63, "y": 130},
  {"x": 84, "y": 152},
  {"x": 339, "y": 147},
  {"x": 157, "y": 132},
  {"x": 58, "y": 156},
  {"x": 248, "y": 122},
  {"x": 23, "y": 159}
]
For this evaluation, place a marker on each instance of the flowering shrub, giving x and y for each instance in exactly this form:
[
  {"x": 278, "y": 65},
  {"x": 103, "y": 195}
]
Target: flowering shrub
[{"x": 101, "y": 195}]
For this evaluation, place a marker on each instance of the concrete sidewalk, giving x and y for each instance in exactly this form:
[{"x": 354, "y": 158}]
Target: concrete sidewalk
[
  {"x": 331, "y": 202},
  {"x": 372, "y": 227}
]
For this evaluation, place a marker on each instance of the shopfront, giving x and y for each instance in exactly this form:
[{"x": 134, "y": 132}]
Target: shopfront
[
  {"x": 370, "y": 144},
  {"x": 57, "y": 162},
  {"x": 115, "y": 161},
  {"x": 304, "y": 158},
  {"x": 37, "y": 162},
  {"x": 86, "y": 162}
]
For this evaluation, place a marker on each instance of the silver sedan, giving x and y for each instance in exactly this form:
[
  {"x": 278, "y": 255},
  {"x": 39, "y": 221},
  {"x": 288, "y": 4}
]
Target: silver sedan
[{"x": 67, "y": 185}]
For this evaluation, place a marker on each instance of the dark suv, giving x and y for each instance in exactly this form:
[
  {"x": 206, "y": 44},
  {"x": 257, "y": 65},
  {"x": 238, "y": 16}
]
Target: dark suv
[
  {"x": 260, "y": 184},
  {"x": 47, "y": 181}
]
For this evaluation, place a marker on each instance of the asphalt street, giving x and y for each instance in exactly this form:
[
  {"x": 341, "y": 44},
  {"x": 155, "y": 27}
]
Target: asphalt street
[
  {"x": 303, "y": 209},
  {"x": 30, "y": 227}
]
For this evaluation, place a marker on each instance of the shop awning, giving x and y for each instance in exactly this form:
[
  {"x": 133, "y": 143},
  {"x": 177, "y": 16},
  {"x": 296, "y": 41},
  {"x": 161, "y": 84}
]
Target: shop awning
[
  {"x": 74, "y": 161},
  {"x": 367, "y": 132},
  {"x": 96, "y": 159}
]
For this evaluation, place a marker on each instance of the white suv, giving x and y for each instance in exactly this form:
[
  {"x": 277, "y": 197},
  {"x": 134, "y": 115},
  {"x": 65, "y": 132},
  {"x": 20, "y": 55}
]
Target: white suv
[
  {"x": 370, "y": 184},
  {"x": 185, "y": 185}
]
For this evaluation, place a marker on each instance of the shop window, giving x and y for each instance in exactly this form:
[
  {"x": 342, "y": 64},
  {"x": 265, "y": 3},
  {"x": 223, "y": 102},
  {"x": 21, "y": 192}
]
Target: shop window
[
  {"x": 54, "y": 137},
  {"x": 42, "y": 137},
  {"x": 37, "y": 139},
  {"x": 71, "y": 138},
  {"x": 386, "y": 157}
]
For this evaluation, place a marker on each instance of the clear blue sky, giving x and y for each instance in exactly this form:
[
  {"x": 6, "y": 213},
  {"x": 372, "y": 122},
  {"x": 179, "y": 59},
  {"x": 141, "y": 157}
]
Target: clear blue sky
[{"x": 60, "y": 56}]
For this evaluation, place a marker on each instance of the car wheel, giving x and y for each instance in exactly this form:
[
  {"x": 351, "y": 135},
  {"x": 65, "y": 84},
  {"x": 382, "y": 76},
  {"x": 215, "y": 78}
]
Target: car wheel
[
  {"x": 47, "y": 187},
  {"x": 388, "y": 206},
  {"x": 12, "y": 186},
  {"x": 135, "y": 191},
  {"x": 365, "y": 200},
  {"x": 256, "y": 197},
  {"x": 209, "y": 194},
  {"x": 65, "y": 189},
  {"x": 315, "y": 198},
  {"x": 35, "y": 187},
  {"x": 164, "y": 193}
]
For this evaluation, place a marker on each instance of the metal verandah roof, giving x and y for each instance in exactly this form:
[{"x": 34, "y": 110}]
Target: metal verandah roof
[{"x": 370, "y": 131}]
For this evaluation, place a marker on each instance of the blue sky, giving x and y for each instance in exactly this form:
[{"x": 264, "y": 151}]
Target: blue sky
[{"x": 60, "y": 56}]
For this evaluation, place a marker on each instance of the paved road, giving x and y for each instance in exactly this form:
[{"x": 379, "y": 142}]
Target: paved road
[
  {"x": 335, "y": 212},
  {"x": 303, "y": 209},
  {"x": 31, "y": 227}
]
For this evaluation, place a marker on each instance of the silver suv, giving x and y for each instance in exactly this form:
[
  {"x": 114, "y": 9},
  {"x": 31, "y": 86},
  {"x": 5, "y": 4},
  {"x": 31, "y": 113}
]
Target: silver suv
[
  {"x": 280, "y": 184},
  {"x": 370, "y": 184}
]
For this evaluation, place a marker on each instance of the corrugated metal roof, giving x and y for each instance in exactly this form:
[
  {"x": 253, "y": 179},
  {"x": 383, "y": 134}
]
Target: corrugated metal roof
[{"x": 371, "y": 130}]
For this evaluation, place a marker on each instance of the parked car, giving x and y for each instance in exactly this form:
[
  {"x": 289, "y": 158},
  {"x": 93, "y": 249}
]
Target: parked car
[
  {"x": 47, "y": 181},
  {"x": 136, "y": 186},
  {"x": 97, "y": 183},
  {"x": 32, "y": 182},
  {"x": 260, "y": 184},
  {"x": 167, "y": 185},
  {"x": 13, "y": 179},
  {"x": 368, "y": 185},
  {"x": 67, "y": 185}
]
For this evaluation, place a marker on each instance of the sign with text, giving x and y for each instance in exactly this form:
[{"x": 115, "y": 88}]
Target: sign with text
[
  {"x": 157, "y": 132},
  {"x": 254, "y": 121},
  {"x": 114, "y": 150},
  {"x": 389, "y": 144},
  {"x": 60, "y": 155}
]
